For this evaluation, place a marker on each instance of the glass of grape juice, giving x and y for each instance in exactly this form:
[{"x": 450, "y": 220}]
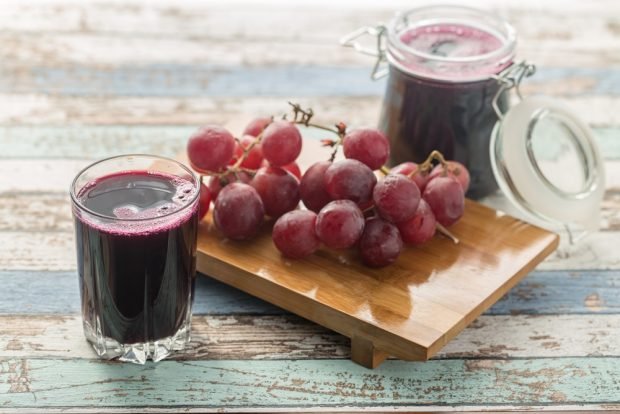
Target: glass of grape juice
[{"x": 136, "y": 222}]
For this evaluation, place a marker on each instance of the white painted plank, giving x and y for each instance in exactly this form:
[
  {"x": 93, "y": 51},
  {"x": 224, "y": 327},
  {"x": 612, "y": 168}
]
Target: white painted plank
[
  {"x": 37, "y": 251},
  {"x": 289, "y": 337},
  {"x": 33, "y": 175},
  {"x": 43, "y": 109}
]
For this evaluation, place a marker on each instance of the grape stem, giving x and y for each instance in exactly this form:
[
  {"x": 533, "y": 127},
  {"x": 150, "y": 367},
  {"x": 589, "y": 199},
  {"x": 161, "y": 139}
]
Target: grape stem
[
  {"x": 246, "y": 151},
  {"x": 385, "y": 170},
  {"x": 447, "y": 233},
  {"x": 303, "y": 116},
  {"x": 426, "y": 166}
]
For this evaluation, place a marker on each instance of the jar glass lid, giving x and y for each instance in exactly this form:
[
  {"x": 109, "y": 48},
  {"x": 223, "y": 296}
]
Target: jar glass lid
[{"x": 547, "y": 163}]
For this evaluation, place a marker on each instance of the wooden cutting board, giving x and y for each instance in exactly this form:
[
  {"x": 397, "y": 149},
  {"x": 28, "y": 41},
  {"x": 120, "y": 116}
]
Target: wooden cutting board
[{"x": 410, "y": 309}]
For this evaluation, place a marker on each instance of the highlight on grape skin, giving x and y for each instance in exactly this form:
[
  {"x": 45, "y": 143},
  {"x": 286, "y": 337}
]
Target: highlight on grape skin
[
  {"x": 294, "y": 234},
  {"x": 312, "y": 186},
  {"x": 396, "y": 198},
  {"x": 446, "y": 198},
  {"x": 204, "y": 202},
  {"x": 278, "y": 189},
  {"x": 452, "y": 169},
  {"x": 368, "y": 145},
  {"x": 411, "y": 169},
  {"x": 281, "y": 143},
  {"x": 340, "y": 224},
  {"x": 350, "y": 180},
  {"x": 256, "y": 126},
  {"x": 421, "y": 227},
  {"x": 380, "y": 244},
  {"x": 238, "y": 212},
  {"x": 211, "y": 148}
]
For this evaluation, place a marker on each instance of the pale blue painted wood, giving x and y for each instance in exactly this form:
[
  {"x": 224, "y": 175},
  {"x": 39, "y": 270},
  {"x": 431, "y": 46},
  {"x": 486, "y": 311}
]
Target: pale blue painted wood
[
  {"x": 44, "y": 383},
  {"x": 553, "y": 292},
  {"x": 182, "y": 80},
  {"x": 185, "y": 80},
  {"x": 96, "y": 141}
]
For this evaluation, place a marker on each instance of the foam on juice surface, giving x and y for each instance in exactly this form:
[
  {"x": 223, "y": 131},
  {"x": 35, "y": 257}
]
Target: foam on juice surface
[
  {"x": 451, "y": 41},
  {"x": 137, "y": 202}
]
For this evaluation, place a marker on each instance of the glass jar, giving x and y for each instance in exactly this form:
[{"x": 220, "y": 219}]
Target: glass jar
[
  {"x": 440, "y": 86},
  {"x": 450, "y": 69}
]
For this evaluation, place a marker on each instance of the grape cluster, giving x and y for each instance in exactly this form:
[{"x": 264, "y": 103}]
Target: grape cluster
[{"x": 346, "y": 205}]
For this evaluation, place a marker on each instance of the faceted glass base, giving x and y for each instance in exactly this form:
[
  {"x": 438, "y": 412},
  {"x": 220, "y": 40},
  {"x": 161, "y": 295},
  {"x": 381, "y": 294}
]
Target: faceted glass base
[{"x": 138, "y": 353}]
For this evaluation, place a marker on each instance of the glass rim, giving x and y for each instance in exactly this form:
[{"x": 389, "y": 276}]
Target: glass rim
[
  {"x": 76, "y": 202},
  {"x": 507, "y": 49}
]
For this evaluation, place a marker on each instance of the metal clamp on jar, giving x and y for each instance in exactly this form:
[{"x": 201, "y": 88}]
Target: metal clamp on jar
[{"x": 450, "y": 69}]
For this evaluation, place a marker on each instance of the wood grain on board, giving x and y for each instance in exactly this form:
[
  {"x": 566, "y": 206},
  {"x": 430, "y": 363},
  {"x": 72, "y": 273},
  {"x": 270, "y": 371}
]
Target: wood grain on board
[{"x": 410, "y": 309}]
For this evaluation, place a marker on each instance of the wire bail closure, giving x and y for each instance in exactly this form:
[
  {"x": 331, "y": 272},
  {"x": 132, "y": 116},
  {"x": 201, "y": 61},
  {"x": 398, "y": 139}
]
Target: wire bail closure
[
  {"x": 511, "y": 77},
  {"x": 379, "y": 32}
]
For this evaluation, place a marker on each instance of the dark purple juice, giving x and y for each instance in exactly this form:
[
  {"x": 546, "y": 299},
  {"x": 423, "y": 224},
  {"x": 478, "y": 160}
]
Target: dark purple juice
[
  {"x": 136, "y": 255},
  {"x": 431, "y": 105}
]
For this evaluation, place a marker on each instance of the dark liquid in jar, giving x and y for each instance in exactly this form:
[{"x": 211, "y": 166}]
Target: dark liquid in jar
[
  {"x": 455, "y": 117},
  {"x": 137, "y": 278}
]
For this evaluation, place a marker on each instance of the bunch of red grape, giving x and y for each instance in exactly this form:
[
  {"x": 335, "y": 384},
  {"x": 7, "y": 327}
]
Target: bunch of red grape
[{"x": 346, "y": 205}]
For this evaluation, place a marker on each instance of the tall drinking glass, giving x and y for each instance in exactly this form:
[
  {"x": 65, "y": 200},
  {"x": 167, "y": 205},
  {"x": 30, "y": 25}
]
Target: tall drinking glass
[{"x": 136, "y": 222}]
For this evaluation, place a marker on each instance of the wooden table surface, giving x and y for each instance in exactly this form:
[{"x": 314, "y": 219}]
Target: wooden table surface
[{"x": 81, "y": 81}]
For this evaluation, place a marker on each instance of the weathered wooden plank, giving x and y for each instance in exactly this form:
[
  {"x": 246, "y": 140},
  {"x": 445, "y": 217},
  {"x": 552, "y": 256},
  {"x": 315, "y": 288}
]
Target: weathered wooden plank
[
  {"x": 39, "y": 212},
  {"x": 22, "y": 291},
  {"x": 541, "y": 292},
  {"x": 108, "y": 34},
  {"x": 29, "y": 109},
  {"x": 38, "y": 176},
  {"x": 41, "y": 383},
  {"x": 213, "y": 337},
  {"x": 97, "y": 141},
  {"x": 289, "y": 337},
  {"x": 214, "y": 81},
  {"x": 37, "y": 250}
]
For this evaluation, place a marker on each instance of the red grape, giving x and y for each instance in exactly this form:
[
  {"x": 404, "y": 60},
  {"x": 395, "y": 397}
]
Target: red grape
[
  {"x": 380, "y": 244},
  {"x": 204, "y": 201},
  {"x": 407, "y": 168},
  {"x": 293, "y": 168},
  {"x": 256, "y": 126},
  {"x": 255, "y": 157},
  {"x": 215, "y": 184},
  {"x": 445, "y": 197},
  {"x": 312, "y": 186},
  {"x": 281, "y": 143},
  {"x": 278, "y": 189},
  {"x": 210, "y": 148},
  {"x": 294, "y": 234},
  {"x": 238, "y": 212},
  {"x": 367, "y": 145},
  {"x": 396, "y": 198},
  {"x": 350, "y": 180},
  {"x": 421, "y": 227},
  {"x": 453, "y": 169},
  {"x": 340, "y": 224}
]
